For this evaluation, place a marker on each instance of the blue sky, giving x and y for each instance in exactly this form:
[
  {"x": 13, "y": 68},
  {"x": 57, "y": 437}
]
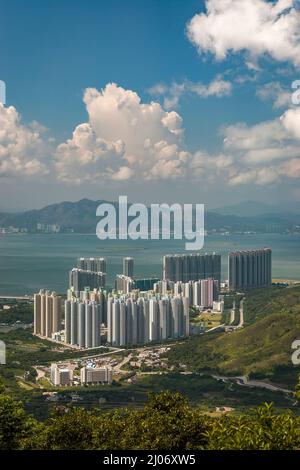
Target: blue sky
[{"x": 52, "y": 51}]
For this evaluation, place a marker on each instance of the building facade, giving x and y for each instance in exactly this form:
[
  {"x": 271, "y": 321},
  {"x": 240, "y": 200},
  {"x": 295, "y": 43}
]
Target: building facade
[
  {"x": 250, "y": 269},
  {"x": 47, "y": 313},
  {"x": 200, "y": 293},
  {"x": 140, "y": 320},
  {"x": 191, "y": 267},
  {"x": 95, "y": 375},
  {"x": 128, "y": 264},
  {"x": 79, "y": 279},
  {"x": 60, "y": 376},
  {"x": 124, "y": 283},
  {"x": 82, "y": 323},
  {"x": 92, "y": 264}
]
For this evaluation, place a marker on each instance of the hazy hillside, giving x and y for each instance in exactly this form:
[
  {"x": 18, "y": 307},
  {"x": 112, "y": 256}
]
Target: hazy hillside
[
  {"x": 256, "y": 208},
  {"x": 81, "y": 217},
  {"x": 247, "y": 209}
]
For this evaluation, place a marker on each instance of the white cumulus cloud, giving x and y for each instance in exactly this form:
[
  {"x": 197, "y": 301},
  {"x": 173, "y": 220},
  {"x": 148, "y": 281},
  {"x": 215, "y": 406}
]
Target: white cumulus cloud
[
  {"x": 275, "y": 92},
  {"x": 257, "y": 27},
  {"x": 21, "y": 147},
  {"x": 218, "y": 87},
  {"x": 291, "y": 122},
  {"x": 123, "y": 138},
  {"x": 266, "y": 152}
]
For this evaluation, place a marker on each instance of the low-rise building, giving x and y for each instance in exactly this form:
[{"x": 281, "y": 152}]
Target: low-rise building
[
  {"x": 94, "y": 375},
  {"x": 60, "y": 376},
  {"x": 218, "y": 306}
]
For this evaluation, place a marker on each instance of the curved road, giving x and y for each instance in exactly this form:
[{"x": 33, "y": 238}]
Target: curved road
[{"x": 245, "y": 382}]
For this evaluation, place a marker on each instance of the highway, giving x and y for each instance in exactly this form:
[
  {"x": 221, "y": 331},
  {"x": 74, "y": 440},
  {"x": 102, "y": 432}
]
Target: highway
[{"x": 244, "y": 381}]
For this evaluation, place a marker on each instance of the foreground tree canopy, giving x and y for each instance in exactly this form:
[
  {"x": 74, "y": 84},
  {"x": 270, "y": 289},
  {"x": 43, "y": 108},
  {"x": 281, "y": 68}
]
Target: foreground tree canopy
[{"x": 166, "y": 422}]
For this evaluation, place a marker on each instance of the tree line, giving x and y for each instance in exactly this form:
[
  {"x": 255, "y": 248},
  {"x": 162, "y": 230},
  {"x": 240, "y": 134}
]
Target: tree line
[{"x": 166, "y": 422}]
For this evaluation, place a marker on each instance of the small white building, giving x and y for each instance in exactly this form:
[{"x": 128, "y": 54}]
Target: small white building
[
  {"x": 218, "y": 306},
  {"x": 60, "y": 376},
  {"x": 94, "y": 375}
]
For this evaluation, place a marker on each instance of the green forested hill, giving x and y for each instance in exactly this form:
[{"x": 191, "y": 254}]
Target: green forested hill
[
  {"x": 262, "y": 348},
  {"x": 264, "y": 302},
  {"x": 81, "y": 217}
]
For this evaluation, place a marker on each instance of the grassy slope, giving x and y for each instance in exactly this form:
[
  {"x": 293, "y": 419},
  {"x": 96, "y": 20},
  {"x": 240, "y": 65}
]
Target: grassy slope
[{"x": 262, "y": 348}]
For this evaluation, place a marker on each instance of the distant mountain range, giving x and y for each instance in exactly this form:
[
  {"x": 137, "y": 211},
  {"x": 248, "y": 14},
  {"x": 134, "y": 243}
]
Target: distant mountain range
[
  {"x": 254, "y": 208},
  {"x": 81, "y": 217}
]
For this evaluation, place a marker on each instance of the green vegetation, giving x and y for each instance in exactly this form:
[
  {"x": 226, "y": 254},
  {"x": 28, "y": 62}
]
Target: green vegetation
[
  {"x": 208, "y": 320},
  {"x": 21, "y": 311},
  {"x": 262, "y": 349},
  {"x": 261, "y": 303},
  {"x": 166, "y": 422},
  {"x": 202, "y": 392},
  {"x": 24, "y": 350},
  {"x": 206, "y": 392}
]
